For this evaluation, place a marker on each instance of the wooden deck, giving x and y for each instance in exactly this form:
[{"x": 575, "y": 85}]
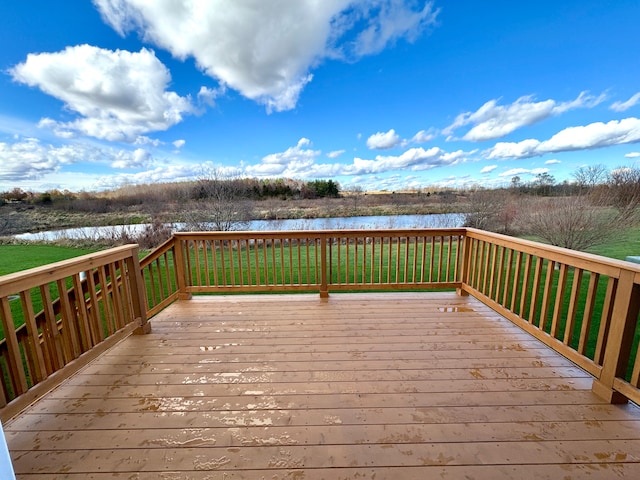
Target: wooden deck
[{"x": 359, "y": 386}]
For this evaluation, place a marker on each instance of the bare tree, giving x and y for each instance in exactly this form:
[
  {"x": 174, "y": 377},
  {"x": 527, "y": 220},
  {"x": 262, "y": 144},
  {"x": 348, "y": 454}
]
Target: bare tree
[
  {"x": 355, "y": 192},
  {"x": 624, "y": 189},
  {"x": 590, "y": 176},
  {"x": 492, "y": 210},
  {"x": 220, "y": 203},
  {"x": 571, "y": 222}
]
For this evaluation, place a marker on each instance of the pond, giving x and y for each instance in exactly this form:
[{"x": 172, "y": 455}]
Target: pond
[{"x": 447, "y": 220}]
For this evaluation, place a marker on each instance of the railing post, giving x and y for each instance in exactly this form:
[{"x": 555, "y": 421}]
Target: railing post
[
  {"x": 181, "y": 279},
  {"x": 464, "y": 265},
  {"x": 138, "y": 293},
  {"x": 324, "y": 266},
  {"x": 620, "y": 339}
]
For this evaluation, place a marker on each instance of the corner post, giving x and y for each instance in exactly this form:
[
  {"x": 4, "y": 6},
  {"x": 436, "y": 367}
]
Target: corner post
[{"x": 620, "y": 339}]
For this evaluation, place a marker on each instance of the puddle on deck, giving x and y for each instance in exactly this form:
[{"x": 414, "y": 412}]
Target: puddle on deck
[{"x": 455, "y": 309}]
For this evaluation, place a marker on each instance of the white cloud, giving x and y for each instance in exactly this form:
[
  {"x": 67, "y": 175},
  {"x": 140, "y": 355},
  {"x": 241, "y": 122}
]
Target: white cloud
[
  {"x": 414, "y": 158},
  {"x": 622, "y": 106},
  {"x": 169, "y": 173},
  {"x": 139, "y": 158},
  {"x": 144, "y": 140},
  {"x": 493, "y": 121},
  {"x": 383, "y": 140},
  {"x": 632, "y": 155},
  {"x": 208, "y": 95},
  {"x": 392, "y": 20},
  {"x": 488, "y": 168},
  {"x": 265, "y": 50},
  {"x": 293, "y": 159},
  {"x": 553, "y": 161},
  {"x": 390, "y": 139},
  {"x": 119, "y": 95},
  {"x": 335, "y": 154},
  {"x": 524, "y": 149},
  {"x": 594, "y": 135},
  {"x": 423, "y": 137},
  {"x": 300, "y": 162},
  {"x": 523, "y": 171},
  {"x": 29, "y": 159},
  {"x": 179, "y": 144}
]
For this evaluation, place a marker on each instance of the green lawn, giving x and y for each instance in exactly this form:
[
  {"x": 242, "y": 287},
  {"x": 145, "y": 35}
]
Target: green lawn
[
  {"x": 14, "y": 258},
  {"x": 625, "y": 243}
]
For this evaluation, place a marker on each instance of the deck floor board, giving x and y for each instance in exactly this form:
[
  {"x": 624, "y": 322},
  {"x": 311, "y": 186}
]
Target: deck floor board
[{"x": 359, "y": 386}]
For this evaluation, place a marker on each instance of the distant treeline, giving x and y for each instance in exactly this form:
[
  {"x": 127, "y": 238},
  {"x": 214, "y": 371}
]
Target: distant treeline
[{"x": 202, "y": 189}]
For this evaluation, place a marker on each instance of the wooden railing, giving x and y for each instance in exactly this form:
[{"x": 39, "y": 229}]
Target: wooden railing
[
  {"x": 303, "y": 261},
  {"x": 58, "y": 317},
  {"x": 584, "y": 306}
]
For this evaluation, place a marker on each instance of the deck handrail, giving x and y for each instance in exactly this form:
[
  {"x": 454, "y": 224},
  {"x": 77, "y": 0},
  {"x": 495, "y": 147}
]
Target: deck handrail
[
  {"x": 313, "y": 260},
  {"x": 584, "y": 306},
  {"x": 57, "y": 317}
]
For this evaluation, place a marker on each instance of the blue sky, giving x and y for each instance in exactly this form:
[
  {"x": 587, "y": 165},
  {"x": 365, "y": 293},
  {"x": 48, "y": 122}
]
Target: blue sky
[{"x": 382, "y": 94}]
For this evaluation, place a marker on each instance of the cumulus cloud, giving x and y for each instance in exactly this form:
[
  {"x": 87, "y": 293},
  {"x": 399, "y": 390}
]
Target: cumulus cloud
[
  {"x": 390, "y": 139},
  {"x": 414, "y": 159},
  {"x": 300, "y": 162},
  {"x": 594, "y": 135},
  {"x": 179, "y": 144},
  {"x": 633, "y": 155},
  {"x": 118, "y": 95},
  {"x": 391, "y": 20},
  {"x": 144, "y": 140},
  {"x": 298, "y": 158},
  {"x": 161, "y": 174},
  {"x": 493, "y": 121},
  {"x": 488, "y": 168},
  {"x": 523, "y": 171},
  {"x": 553, "y": 161},
  {"x": 622, "y": 106},
  {"x": 208, "y": 96},
  {"x": 335, "y": 154},
  {"x": 265, "y": 50},
  {"x": 29, "y": 159},
  {"x": 383, "y": 140},
  {"x": 139, "y": 158},
  {"x": 422, "y": 137}
]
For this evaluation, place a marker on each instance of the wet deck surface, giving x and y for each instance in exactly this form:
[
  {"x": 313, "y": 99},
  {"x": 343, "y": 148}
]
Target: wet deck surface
[{"x": 362, "y": 386}]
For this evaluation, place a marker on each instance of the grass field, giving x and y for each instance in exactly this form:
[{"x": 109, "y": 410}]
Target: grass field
[
  {"x": 626, "y": 243},
  {"x": 14, "y": 258}
]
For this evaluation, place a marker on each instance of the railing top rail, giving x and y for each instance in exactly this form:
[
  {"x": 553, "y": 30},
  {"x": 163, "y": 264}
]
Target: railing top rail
[
  {"x": 323, "y": 233},
  {"x": 159, "y": 250},
  {"x": 587, "y": 261},
  {"x": 26, "y": 279}
]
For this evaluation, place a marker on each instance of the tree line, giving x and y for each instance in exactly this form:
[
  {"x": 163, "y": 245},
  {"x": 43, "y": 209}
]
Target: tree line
[
  {"x": 587, "y": 211},
  {"x": 205, "y": 188}
]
